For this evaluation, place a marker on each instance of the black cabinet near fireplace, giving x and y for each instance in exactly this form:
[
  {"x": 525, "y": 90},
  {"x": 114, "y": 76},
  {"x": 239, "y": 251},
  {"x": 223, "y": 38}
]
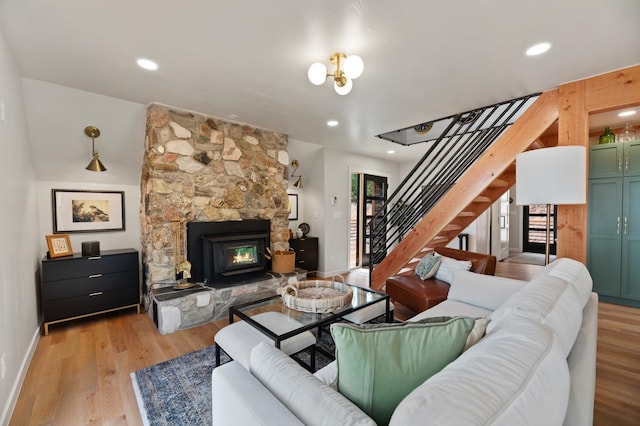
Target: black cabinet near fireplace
[
  {"x": 306, "y": 253},
  {"x": 79, "y": 286},
  {"x": 227, "y": 252}
]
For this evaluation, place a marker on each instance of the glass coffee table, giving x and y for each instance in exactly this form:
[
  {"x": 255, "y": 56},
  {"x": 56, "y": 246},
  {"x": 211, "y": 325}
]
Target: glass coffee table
[{"x": 362, "y": 298}]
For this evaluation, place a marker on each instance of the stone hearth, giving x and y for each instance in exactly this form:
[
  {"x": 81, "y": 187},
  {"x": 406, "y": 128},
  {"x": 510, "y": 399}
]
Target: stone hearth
[{"x": 176, "y": 310}]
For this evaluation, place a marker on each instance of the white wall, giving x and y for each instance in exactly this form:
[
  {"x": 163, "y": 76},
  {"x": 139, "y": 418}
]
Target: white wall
[
  {"x": 337, "y": 182},
  {"x": 327, "y": 173},
  {"x": 309, "y": 156},
  {"x": 19, "y": 237},
  {"x": 56, "y": 118}
]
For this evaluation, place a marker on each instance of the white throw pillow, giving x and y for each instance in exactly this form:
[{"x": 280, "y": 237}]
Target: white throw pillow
[{"x": 448, "y": 266}]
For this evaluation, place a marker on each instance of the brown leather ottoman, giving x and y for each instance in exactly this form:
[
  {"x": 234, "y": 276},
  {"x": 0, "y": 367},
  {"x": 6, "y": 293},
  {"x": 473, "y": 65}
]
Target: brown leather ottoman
[
  {"x": 418, "y": 295},
  {"x": 415, "y": 294}
]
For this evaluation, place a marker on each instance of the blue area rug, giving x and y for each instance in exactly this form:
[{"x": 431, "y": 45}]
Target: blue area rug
[{"x": 178, "y": 391}]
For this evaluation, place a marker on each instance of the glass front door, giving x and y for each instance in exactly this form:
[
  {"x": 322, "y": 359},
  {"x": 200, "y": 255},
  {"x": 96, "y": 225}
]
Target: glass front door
[{"x": 535, "y": 228}]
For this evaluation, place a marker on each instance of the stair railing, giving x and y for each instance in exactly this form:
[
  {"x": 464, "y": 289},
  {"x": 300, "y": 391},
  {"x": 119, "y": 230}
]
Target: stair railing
[{"x": 463, "y": 139}]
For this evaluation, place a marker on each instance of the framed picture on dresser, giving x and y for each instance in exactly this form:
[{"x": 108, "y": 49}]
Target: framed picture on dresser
[
  {"x": 87, "y": 211},
  {"x": 59, "y": 245}
]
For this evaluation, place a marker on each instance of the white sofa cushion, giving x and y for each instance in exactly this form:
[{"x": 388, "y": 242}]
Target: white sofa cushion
[
  {"x": 305, "y": 395},
  {"x": 549, "y": 301},
  {"x": 482, "y": 290},
  {"x": 231, "y": 384},
  {"x": 452, "y": 308},
  {"x": 582, "y": 366},
  {"x": 573, "y": 272},
  {"x": 516, "y": 376}
]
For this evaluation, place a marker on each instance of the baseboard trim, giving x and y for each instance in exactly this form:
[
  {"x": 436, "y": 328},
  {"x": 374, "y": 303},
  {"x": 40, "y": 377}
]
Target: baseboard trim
[{"x": 7, "y": 410}]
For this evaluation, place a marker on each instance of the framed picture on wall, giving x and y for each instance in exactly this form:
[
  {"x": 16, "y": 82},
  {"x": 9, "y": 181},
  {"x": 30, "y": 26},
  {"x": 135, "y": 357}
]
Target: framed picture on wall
[
  {"x": 87, "y": 211},
  {"x": 59, "y": 245},
  {"x": 293, "y": 206}
]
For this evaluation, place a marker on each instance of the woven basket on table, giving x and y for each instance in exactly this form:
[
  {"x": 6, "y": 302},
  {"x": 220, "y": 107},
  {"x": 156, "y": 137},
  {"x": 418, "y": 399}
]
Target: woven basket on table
[{"x": 316, "y": 296}]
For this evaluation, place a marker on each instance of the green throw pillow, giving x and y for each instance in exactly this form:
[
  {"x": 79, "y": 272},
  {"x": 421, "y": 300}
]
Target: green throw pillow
[
  {"x": 428, "y": 266},
  {"x": 379, "y": 365}
]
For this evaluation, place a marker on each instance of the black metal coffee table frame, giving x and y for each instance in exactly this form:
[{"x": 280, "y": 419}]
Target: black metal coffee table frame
[{"x": 362, "y": 297}]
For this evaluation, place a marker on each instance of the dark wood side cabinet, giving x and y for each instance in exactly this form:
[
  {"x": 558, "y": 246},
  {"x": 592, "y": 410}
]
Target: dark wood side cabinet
[
  {"x": 306, "y": 253},
  {"x": 79, "y": 286}
]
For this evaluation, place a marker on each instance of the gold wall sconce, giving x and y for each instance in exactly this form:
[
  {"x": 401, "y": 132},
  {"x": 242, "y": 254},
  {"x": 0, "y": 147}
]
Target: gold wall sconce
[
  {"x": 95, "y": 165},
  {"x": 298, "y": 183}
]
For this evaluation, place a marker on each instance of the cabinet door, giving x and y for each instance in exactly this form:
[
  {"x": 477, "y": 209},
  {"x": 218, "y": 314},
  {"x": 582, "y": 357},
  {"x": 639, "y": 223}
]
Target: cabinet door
[
  {"x": 631, "y": 239},
  {"x": 606, "y": 160},
  {"x": 631, "y": 159},
  {"x": 605, "y": 225}
]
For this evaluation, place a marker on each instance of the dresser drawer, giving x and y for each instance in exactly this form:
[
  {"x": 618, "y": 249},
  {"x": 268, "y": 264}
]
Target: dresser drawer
[
  {"x": 53, "y": 290},
  {"x": 61, "y": 269},
  {"x": 306, "y": 253},
  {"x": 83, "y": 305}
]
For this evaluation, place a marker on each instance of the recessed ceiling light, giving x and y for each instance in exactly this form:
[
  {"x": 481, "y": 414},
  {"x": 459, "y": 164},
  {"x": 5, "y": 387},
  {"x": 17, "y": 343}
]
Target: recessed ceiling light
[
  {"x": 332, "y": 123},
  {"x": 538, "y": 49},
  {"x": 391, "y": 151},
  {"x": 627, "y": 113},
  {"x": 147, "y": 64}
]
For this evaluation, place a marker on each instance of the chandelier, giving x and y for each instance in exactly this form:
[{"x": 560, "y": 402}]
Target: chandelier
[{"x": 347, "y": 68}]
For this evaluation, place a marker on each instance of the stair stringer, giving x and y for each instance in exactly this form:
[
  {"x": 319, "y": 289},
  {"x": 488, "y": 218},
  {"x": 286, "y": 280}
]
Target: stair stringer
[{"x": 525, "y": 132}]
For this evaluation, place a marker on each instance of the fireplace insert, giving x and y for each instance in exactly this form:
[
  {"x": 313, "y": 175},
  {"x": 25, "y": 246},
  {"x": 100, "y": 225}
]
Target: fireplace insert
[
  {"x": 226, "y": 256},
  {"x": 223, "y": 253}
]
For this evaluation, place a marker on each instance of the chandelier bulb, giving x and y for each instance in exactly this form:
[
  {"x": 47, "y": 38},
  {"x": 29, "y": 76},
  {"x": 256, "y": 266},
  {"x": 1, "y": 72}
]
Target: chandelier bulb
[
  {"x": 317, "y": 73},
  {"x": 345, "y": 88},
  {"x": 353, "y": 66}
]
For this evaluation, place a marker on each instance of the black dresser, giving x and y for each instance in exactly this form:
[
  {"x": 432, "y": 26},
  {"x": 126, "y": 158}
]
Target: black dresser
[
  {"x": 75, "y": 286},
  {"x": 306, "y": 253}
]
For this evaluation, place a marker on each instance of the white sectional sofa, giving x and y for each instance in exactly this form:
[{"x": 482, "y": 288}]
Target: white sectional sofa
[{"x": 534, "y": 366}]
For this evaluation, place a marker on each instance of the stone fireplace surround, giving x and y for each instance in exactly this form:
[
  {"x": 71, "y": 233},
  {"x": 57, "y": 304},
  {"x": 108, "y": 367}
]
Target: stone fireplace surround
[{"x": 199, "y": 168}]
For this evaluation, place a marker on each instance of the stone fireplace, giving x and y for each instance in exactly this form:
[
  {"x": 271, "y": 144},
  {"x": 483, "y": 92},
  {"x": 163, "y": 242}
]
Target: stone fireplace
[{"x": 197, "y": 170}]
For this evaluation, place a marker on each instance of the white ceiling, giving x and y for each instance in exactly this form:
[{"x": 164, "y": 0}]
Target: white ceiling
[{"x": 248, "y": 58}]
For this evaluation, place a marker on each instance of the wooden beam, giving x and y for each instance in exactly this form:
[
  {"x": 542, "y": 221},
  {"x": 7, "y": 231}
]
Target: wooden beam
[
  {"x": 516, "y": 139},
  {"x": 617, "y": 89},
  {"x": 606, "y": 92},
  {"x": 573, "y": 129}
]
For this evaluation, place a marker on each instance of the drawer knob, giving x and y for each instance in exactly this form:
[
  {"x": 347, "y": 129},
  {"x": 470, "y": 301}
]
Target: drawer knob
[
  {"x": 95, "y": 257},
  {"x": 97, "y": 293},
  {"x": 301, "y": 250},
  {"x": 95, "y": 276}
]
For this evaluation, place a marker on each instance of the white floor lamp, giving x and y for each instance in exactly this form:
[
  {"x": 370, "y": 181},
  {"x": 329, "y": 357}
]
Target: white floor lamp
[{"x": 551, "y": 176}]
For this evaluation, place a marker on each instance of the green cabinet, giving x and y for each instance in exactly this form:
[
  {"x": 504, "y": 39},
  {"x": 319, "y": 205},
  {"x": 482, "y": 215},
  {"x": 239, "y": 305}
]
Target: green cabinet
[
  {"x": 631, "y": 238},
  {"x": 613, "y": 250},
  {"x": 615, "y": 160}
]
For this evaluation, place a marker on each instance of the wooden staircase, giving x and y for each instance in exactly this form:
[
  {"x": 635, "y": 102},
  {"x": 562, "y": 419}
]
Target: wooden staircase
[{"x": 479, "y": 187}]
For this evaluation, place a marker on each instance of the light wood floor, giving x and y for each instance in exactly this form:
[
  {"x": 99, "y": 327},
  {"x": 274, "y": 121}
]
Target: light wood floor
[{"x": 80, "y": 371}]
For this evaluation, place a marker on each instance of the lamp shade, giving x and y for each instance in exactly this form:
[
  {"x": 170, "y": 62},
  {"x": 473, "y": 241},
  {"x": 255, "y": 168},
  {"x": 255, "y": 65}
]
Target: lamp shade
[
  {"x": 96, "y": 165},
  {"x": 552, "y": 176}
]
